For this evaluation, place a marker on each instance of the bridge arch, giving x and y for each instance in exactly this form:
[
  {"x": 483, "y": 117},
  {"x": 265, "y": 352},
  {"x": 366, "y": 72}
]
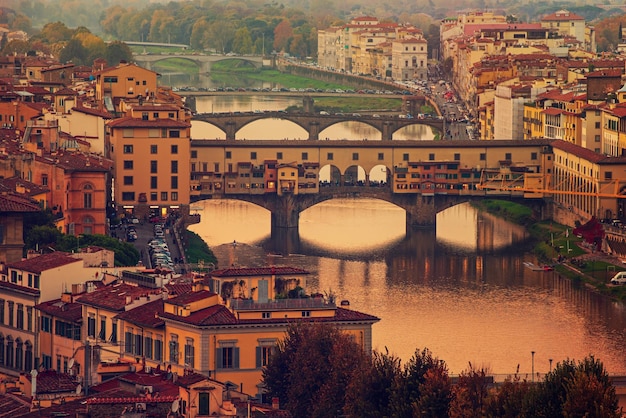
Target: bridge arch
[
  {"x": 363, "y": 130},
  {"x": 253, "y": 129},
  {"x": 203, "y": 126}
]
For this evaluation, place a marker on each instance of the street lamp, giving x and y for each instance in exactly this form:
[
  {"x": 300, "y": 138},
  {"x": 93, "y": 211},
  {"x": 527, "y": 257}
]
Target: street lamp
[
  {"x": 550, "y": 360},
  {"x": 532, "y": 353}
]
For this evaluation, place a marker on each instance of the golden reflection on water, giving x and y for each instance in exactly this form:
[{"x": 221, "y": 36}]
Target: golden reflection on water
[{"x": 461, "y": 291}]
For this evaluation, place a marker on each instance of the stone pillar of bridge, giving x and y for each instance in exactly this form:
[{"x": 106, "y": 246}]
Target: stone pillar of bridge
[
  {"x": 205, "y": 67},
  {"x": 285, "y": 211},
  {"x": 314, "y": 131},
  {"x": 387, "y": 132},
  {"x": 231, "y": 129},
  {"x": 422, "y": 213}
]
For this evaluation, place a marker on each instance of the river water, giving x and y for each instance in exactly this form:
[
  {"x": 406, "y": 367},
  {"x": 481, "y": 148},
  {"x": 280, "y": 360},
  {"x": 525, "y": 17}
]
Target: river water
[{"x": 460, "y": 290}]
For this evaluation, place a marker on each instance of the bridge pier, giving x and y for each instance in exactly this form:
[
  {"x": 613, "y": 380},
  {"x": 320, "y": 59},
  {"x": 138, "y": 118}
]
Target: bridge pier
[
  {"x": 205, "y": 68},
  {"x": 422, "y": 212},
  {"x": 285, "y": 212},
  {"x": 314, "y": 131},
  {"x": 387, "y": 131},
  {"x": 231, "y": 130}
]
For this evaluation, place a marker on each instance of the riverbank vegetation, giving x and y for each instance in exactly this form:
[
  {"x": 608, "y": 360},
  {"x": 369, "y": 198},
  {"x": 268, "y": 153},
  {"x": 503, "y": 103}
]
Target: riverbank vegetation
[
  {"x": 319, "y": 371},
  {"x": 197, "y": 251},
  {"x": 556, "y": 245}
]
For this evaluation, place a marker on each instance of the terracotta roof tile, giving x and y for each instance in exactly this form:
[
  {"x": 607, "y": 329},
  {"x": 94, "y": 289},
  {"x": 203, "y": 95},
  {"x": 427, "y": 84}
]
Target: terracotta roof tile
[
  {"x": 147, "y": 315},
  {"x": 214, "y": 315},
  {"x": 44, "y": 262},
  {"x": 51, "y": 381},
  {"x": 13, "y": 202},
  {"x": 129, "y": 122},
  {"x": 71, "y": 312},
  {"x": 190, "y": 297},
  {"x": 114, "y": 297}
]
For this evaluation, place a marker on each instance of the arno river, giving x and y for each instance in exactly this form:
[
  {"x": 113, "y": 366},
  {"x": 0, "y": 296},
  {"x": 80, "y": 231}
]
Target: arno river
[{"x": 460, "y": 290}]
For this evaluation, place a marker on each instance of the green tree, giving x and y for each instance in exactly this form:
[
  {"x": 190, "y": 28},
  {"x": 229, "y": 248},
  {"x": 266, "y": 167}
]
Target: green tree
[
  {"x": 75, "y": 52},
  {"x": 311, "y": 369},
  {"x": 117, "y": 52},
  {"x": 242, "y": 42},
  {"x": 42, "y": 236},
  {"x": 221, "y": 36},
  {"x": 16, "y": 47}
]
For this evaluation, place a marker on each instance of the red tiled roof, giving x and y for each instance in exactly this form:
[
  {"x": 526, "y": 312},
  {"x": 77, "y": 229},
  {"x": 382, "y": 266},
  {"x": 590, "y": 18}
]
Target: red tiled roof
[
  {"x": 91, "y": 111},
  {"x": 13, "y": 202},
  {"x": 553, "y": 111},
  {"x": 257, "y": 271},
  {"x": 131, "y": 400},
  {"x": 175, "y": 289},
  {"x": 11, "y": 184},
  {"x": 190, "y": 297},
  {"x": 114, "y": 297},
  {"x": 220, "y": 315},
  {"x": 44, "y": 262},
  {"x": 587, "y": 154},
  {"x": 608, "y": 72},
  {"x": 562, "y": 15},
  {"x": 13, "y": 406},
  {"x": 77, "y": 161},
  {"x": 129, "y": 122},
  {"x": 71, "y": 312},
  {"x": 147, "y": 315},
  {"x": 214, "y": 315},
  {"x": 19, "y": 288},
  {"x": 51, "y": 381}
]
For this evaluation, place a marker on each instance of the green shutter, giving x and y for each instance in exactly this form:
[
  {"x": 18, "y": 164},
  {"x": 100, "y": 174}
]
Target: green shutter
[
  {"x": 236, "y": 358},
  {"x": 258, "y": 357}
]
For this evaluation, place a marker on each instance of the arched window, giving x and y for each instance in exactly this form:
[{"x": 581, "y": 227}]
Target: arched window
[
  {"x": 28, "y": 356},
  {"x": 19, "y": 354},
  {"x": 9, "y": 352},
  {"x": 87, "y": 196}
]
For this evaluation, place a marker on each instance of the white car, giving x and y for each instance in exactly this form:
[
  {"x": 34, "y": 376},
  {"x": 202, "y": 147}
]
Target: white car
[{"x": 619, "y": 278}]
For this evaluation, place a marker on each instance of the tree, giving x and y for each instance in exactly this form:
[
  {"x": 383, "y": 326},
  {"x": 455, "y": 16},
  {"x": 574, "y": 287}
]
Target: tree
[
  {"x": 407, "y": 389},
  {"x": 117, "y": 52},
  {"x": 311, "y": 369},
  {"x": 282, "y": 35},
  {"x": 369, "y": 392},
  {"x": 510, "y": 400},
  {"x": 242, "y": 42},
  {"x": 435, "y": 394},
  {"x": 470, "y": 394},
  {"x": 556, "y": 394},
  {"x": 75, "y": 52}
]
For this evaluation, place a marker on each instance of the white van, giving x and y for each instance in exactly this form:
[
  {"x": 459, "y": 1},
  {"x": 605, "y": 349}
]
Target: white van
[{"x": 619, "y": 278}]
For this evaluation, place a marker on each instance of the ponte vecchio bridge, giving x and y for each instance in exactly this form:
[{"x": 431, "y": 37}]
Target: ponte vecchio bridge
[
  {"x": 422, "y": 177},
  {"x": 231, "y": 123}
]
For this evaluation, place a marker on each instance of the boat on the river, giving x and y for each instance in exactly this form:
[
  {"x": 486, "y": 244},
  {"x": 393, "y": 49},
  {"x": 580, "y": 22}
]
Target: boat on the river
[{"x": 535, "y": 267}]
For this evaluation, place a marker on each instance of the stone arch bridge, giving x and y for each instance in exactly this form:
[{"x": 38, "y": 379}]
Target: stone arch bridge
[
  {"x": 421, "y": 209},
  {"x": 204, "y": 62},
  {"x": 231, "y": 123}
]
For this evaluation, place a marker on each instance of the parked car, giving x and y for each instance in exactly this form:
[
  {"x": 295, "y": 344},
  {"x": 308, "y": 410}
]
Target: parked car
[{"x": 619, "y": 278}]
